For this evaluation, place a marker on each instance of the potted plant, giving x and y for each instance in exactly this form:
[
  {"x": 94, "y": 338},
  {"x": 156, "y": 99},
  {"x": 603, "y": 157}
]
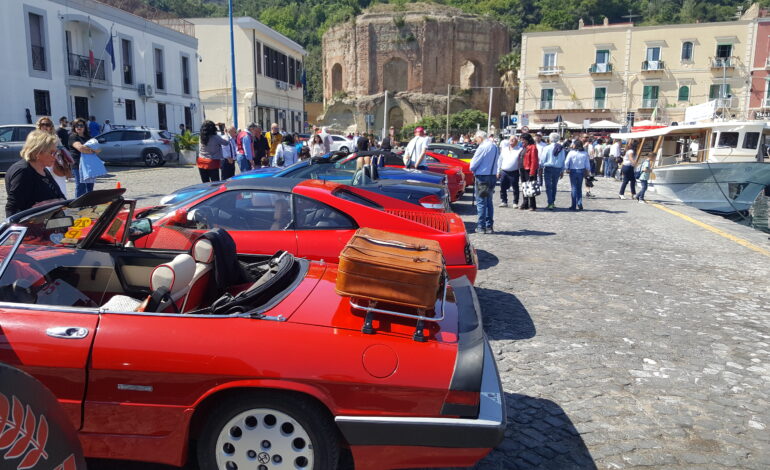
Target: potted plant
[{"x": 188, "y": 147}]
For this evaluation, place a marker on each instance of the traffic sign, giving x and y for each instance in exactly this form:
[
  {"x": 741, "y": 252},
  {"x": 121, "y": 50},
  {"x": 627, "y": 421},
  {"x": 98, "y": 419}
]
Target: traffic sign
[{"x": 514, "y": 119}]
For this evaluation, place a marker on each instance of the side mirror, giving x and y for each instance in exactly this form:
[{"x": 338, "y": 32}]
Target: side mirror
[
  {"x": 139, "y": 228},
  {"x": 180, "y": 217}
]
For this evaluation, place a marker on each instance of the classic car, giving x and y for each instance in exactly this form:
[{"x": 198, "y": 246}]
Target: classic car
[
  {"x": 458, "y": 172},
  {"x": 308, "y": 218},
  {"x": 253, "y": 362},
  {"x": 460, "y": 151}
]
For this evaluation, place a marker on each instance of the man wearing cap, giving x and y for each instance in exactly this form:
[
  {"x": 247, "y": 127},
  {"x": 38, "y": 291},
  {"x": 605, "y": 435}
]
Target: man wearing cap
[
  {"x": 484, "y": 168},
  {"x": 415, "y": 149}
]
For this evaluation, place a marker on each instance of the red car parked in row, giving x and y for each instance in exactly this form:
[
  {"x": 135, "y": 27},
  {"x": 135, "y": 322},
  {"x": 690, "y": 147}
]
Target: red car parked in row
[
  {"x": 255, "y": 360},
  {"x": 309, "y": 218}
]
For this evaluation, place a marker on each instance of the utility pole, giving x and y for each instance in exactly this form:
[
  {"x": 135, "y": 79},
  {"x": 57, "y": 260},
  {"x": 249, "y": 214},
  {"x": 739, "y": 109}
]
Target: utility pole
[
  {"x": 385, "y": 116},
  {"x": 232, "y": 64},
  {"x": 448, "y": 97},
  {"x": 489, "y": 116}
]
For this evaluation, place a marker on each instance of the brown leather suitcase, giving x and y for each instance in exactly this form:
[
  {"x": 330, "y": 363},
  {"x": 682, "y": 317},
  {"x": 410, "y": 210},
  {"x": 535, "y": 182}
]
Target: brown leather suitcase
[{"x": 391, "y": 267}]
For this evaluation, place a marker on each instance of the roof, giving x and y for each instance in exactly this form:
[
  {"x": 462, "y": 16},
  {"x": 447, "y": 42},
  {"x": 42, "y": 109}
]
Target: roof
[{"x": 247, "y": 22}]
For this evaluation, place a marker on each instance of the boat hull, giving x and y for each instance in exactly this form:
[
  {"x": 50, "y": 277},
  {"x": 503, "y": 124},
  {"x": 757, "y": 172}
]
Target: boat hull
[{"x": 715, "y": 187}]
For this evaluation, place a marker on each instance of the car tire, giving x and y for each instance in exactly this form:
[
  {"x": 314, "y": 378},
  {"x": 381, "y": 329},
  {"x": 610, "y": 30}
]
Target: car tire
[
  {"x": 264, "y": 431},
  {"x": 152, "y": 158},
  {"x": 344, "y": 149}
]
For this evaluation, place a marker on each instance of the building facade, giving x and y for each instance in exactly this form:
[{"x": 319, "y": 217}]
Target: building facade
[
  {"x": 268, "y": 69},
  {"x": 759, "y": 104},
  {"x": 606, "y": 72},
  {"x": 64, "y": 69}
]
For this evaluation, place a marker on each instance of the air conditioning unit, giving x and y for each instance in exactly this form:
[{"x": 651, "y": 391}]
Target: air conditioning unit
[{"x": 146, "y": 91}]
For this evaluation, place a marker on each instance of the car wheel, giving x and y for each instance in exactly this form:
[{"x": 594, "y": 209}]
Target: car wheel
[
  {"x": 152, "y": 158},
  {"x": 266, "y": 432},
  {"x": 344, "y": 149}
]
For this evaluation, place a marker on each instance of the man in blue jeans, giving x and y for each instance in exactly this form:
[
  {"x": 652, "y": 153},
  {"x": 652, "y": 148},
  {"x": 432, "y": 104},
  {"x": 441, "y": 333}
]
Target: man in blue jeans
[
  {"x": 484, "y": 168},
  {"x": 553, "y": 167}
]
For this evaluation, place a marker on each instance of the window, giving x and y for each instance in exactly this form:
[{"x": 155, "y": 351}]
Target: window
[
  {"x": 292, "y": 70},
  {"x": 686, "y": 51},
  {"x": 42, "y": 103},
  {"x": 750, "y": 140},
  {"x": 130, "y": 110},
  {"x": 653, "y": 54},
  {"x": 313, "y": 215},
  {"x": 136, "y": 135},
  {"x": 37, "y": 42},
  {"x": 719, "y": 91},
  {"x": 650, "y": 96},
  {"x": 6, "y": 134},
  {"x": 188, "y": 121},
  {"x": 162, "y": 122},
  {"x": 244, "y": 210},
  {"x": 258, "y": 58},
  {"x": 128, "y": 63},
  {"x": 549, "y": 60},
  {"x": 684, "y": 93},
  {"x": 159, "y": 83},
  {"x": 652, "y": 61},
  {"x": 546, "y": 98},
  {"x": 22, "y": 133},
  {"x": 298, "y": 78},
  {"x": 600, "y": 98},
  {"x": 275, "y": 64},
  {"x": 352, "y": 197},
  {"x": 728, "y": 139},
  {"x": 602, "y": 64},
  {"x": 724, "y": 50},
  {"x": 185, "y": 75},
  {"x": 114, "y": 136}
]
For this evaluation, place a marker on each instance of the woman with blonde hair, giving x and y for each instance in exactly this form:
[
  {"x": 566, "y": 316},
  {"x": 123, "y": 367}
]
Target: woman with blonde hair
[
  {"x": 28, "y": 181},
  {"x": 62, "y": 166}
]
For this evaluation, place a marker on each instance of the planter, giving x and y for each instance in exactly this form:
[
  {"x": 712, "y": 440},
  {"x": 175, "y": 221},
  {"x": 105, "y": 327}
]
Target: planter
[{"x": 187, "y": 156}]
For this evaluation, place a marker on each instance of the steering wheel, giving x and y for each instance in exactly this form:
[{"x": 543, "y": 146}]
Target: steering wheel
[
  {"x": 204, "y": 216},
  {"x": 18, "y": 291}
]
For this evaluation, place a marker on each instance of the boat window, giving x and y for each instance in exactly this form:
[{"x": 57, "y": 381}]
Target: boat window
[
  {"x": 728, "y": 139},
  {"x": 751, "y": 140},
  {"x": 713, "y": 139}
]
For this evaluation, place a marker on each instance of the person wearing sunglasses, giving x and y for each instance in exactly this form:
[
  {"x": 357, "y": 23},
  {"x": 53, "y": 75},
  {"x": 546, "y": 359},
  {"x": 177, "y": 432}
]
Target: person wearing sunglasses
[
  {"x": 28, "y": 181},
  {"x": 62, "y": 166},
  {"x": 77, "y": 141}
]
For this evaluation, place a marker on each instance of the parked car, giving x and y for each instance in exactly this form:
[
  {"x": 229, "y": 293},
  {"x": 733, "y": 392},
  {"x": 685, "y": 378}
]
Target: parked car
[
  {"x": 465, "y": 166},
  {"x": 12, "y": 139},
  {"x": 463, "y": 152},
  {"x": 152, "y": 146},
  {"x": 308, "y": 218},
  {"x": 262, "y": 362},
  {"x": 340, "y": 143}
]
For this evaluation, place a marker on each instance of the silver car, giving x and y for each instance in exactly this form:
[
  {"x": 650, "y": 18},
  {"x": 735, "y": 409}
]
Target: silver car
[
  {"x": 152, "y": 146},
  {"x": 12, "y": 139}
]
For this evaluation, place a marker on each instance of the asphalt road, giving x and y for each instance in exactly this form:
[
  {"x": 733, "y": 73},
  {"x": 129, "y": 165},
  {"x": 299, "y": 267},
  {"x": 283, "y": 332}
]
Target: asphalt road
[{"x": 626, "y": 336}]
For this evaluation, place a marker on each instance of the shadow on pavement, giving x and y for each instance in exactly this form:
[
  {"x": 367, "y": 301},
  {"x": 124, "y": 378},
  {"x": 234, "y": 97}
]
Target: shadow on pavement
[
  {"x": 486, "y": 259},
  {"x": 504, "y": 316},
  {"x": 525, "y": 233}
]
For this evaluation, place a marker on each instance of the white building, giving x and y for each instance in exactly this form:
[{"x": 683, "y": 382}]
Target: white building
[
  {"x": 268, "y": 70},
  {"x": 47, "y": 67}
]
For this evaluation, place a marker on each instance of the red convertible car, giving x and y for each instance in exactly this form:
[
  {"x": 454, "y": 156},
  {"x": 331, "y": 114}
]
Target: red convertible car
[
  {"x": 432, "y": 157},
  {"x": 253, "y": 362},
  {"x": 309, "y": 218}
]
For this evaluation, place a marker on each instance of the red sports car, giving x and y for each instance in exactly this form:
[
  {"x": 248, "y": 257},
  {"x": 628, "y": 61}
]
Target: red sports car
[
  {"x": 309, "y": 218},
  {"x": 257, "y": 361},
  {"x": 432, "y": 157}
]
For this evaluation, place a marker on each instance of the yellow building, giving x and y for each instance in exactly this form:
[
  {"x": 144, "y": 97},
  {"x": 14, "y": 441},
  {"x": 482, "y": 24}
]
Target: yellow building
[{"x": 606, "y": 72}]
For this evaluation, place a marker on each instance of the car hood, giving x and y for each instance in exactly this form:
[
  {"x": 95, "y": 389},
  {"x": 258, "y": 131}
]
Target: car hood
[
  {"x": 259, "y": 173},
  {"x": 414, "y": 175}
]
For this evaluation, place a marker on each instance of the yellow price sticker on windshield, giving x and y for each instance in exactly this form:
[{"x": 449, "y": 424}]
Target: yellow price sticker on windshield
[
  {"x": 73, "y": 233},
  {"x": 81, "y": 223}
]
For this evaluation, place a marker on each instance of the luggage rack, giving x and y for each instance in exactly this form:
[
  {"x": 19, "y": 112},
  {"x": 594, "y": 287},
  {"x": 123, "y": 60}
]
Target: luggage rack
[{"x": 420, "y": 316}]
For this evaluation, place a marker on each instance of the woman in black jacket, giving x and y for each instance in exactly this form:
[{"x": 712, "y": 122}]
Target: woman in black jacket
[{"x": 28, "y": 181}]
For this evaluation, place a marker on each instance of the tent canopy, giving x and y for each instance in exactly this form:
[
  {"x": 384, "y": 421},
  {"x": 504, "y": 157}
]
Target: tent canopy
[{"x": 604, "y": 124}]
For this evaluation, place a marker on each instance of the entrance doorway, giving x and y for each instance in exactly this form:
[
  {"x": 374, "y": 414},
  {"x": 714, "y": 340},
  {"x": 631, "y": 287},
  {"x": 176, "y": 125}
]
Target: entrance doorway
[
  {"x": 81, "y": 107},
  {"x": 162, "y": 122}
]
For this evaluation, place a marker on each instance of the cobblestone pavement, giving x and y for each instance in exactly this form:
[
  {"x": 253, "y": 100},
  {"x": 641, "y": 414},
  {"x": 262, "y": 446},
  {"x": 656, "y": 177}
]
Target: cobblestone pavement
[{"x": 626, "y": 337}]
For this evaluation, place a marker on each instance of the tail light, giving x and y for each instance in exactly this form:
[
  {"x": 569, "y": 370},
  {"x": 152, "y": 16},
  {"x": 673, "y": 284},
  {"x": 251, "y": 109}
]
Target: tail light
[
  {"x": 166, "y": 141},
  {"x": 431, "y": 202}
]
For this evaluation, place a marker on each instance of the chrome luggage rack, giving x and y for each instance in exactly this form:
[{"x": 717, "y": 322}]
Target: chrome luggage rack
[{"x": 421, "y": 317}]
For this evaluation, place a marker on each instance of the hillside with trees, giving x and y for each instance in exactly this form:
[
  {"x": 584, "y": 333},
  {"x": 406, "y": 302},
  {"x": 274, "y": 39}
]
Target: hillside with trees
[{"x": 305, "y": 21}]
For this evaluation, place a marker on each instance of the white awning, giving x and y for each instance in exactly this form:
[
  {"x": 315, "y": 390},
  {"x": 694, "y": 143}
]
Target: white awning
[
  {"x": 570, "y": 125},
  {"x": 604, "y": 124}
]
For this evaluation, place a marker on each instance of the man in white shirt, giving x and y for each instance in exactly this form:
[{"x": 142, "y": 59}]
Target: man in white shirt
[
  {"x": 508, "y": 170},
  {"x": 540, "y": 146},
  {"x": 415, "y": 149},
  {"x": 613, "y": 163}
]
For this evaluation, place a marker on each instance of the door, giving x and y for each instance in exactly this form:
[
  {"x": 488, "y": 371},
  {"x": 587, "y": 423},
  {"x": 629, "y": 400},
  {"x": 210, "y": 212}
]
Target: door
[
  {"x": 162, "y": 122},
  {"x": 133, "y": 143},
  {"x": 111, "y": 146},
  {"x": 81, "y": 107},
  {"x": 322, "y": 231}
]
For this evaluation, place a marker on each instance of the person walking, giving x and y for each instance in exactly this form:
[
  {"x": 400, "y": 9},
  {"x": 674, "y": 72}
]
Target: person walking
[
  {"x": 598, "y": 156},
  {"x": 316, "y": 146},
  {"x": 540, "y": 146},
  {"x": 484, "y": 166},
  {"x": 260, "y": 146},
  {"x": 274, "y": 139},
  {"x": 286, "y": 153},
  {"x": 28, "y": 181},
  {"x": 553, "y": 167},
  {"x": 614, "y": 156},
  {"x": 528, "y": 172},
  {"x": 508, "y": 167},
  {"x": 415, "y": 149},
  {"x": 644, "y": 178},
  {"x": 327, "y": 140},
  {"x": 93, "y": 127},
  {"x": 578, "y": 165},
  {"x": 76, "y": 146},
  {"x": 627, "y": 171},
  {"x": 606, "y": 151},
  {"x": 107, "y": 127},
  {"x": 229, "y": 153},
  {"x": 210, "y": 152}
]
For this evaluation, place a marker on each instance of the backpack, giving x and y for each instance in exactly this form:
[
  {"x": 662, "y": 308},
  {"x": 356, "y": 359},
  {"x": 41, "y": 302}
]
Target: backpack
[{"x": 606, "y": 153}]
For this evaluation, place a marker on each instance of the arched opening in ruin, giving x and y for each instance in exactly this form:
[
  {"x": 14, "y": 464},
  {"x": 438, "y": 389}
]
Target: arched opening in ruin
[
  {"x": 336, "y": 78},
  {"x": 470, "y": 74},
  {"x": 394, "y": 75},
  {"x": 396, "y": 117}
]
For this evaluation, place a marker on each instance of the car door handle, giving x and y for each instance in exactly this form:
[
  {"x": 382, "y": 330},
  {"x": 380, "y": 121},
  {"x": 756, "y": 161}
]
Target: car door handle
[{"x": 67, "y": 332}]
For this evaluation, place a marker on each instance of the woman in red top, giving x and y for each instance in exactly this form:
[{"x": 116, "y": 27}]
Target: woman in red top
[{"x": 528, "y": 170}]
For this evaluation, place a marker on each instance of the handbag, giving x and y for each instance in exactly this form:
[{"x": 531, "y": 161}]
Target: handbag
[
  {"x": 206, "y": 163},
  {"x": 637, "y": 174}
]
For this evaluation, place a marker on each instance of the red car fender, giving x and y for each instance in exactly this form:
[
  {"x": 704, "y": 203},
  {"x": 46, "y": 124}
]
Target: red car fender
[{"x": 267, "y": 384}]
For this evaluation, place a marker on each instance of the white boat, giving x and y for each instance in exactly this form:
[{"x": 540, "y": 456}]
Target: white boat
[{"x": 717, "y": 166}]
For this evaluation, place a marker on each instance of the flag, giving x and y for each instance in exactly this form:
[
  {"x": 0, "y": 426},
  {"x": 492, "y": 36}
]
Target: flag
[
  {"x": 303, "y": 79},
  {"x": 654, "y": 115},
  {"x": 111, "y": 51},
  {"x": 91, "y": 59}
]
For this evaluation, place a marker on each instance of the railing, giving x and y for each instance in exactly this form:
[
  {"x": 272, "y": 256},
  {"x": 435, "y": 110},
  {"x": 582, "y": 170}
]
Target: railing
[
  {"x": 600, "y": 68},
  {"x": 177, "y": 24},
  {"x": 652, "y": 65},
  {"x": 38, "y": 58},
  {"x": 546, "y": 105},
  {"x": 600, "y": 104},
  {"x": 80, "y": 66},
  {"x": 549, "y": 70},
  {"x": 720, "y": 62},
  {"x": 649, "y": 103},
  {"x": 725, "y": 102}
]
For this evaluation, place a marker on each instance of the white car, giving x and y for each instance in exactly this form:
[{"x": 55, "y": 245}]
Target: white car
[{"x": 341, "y": 143}]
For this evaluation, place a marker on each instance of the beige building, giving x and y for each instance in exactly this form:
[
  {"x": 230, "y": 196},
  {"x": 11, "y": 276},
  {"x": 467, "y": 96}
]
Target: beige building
[
  {"x": 604, "y": 72},
  {"x": 268, "y": 71}
]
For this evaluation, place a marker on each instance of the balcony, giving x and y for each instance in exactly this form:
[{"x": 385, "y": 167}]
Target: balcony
[
  {"x": 653, "y": 65},
  {"x": 723, "y": 62},
  {"x": 728, "y": 103},
  {"x": 80, "y": 66},
  {"x": 600, "y": 69},
  {"x": 549, "y": 70},
  {"x": 38, "y": 58},
  {"x": 649, "y": 104},
  {"x": 600, "y": 104}
]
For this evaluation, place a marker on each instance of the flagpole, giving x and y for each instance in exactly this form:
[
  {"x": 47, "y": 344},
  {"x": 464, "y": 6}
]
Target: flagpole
[{"x": 232, "y": 64}]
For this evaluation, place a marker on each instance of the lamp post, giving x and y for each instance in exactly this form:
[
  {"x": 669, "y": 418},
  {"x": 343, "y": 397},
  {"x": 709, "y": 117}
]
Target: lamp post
[{"x": 232, "y": 64}]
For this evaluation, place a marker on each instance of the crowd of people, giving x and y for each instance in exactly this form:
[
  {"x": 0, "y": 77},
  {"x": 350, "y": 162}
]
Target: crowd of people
[{"x": 526, "y": 163}]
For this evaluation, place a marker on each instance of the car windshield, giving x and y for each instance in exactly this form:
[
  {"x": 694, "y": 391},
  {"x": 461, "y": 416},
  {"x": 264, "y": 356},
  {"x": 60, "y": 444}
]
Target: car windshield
[
  {"x": 174, "y": 201},
  {"x": 341, "y": 172}
]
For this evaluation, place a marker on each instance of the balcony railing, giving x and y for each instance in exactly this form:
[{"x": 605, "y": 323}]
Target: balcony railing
[
  {"x": 549, "y": 70},
  {"x": 80, "y": 66},
  {"x": 723, "y": 62},
  {"x": 546, "y": 105},
  {"x": 38, "y": 58},
  {"x": 600, "y": 104},
  {"x": 649, "y": 103},
  {"x": 726, "y": 102},
  {"x": 652, "y": 65},
  {"x": 600, "y": 68}
]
